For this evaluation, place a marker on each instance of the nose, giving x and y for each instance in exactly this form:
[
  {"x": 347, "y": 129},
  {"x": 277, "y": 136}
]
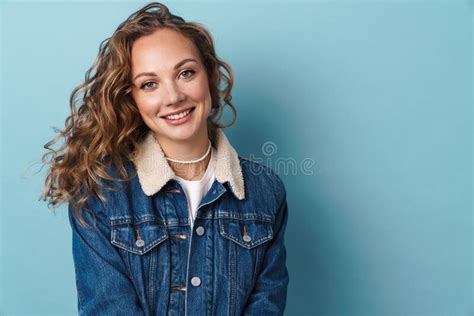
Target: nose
[{"x": 174, "y": 94}]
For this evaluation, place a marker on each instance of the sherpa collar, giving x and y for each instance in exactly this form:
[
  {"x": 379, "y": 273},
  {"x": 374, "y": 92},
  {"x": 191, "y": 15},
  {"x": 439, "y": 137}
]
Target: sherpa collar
[{"x": 154, "y": 171}]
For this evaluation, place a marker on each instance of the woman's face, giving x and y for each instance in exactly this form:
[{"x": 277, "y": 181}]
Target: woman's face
[{"x": 168, "y": 77}]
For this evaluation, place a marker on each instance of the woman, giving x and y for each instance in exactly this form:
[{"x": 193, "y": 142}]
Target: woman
[{"x": 166, "y": 217}]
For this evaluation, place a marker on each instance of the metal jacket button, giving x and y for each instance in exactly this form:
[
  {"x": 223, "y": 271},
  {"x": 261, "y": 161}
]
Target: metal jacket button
[
  {"x": 246, "y": 236},
  {"x": 196, "y": 281},
  {"x": 200, "y": 231},
  {"x": 139, "y": 242}
]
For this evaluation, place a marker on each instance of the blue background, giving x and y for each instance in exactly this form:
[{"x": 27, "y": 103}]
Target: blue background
[{"x": 378, "y": 94}]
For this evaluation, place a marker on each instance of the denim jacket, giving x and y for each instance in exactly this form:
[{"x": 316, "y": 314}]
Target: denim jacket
[{"x": 140, "y": 255}]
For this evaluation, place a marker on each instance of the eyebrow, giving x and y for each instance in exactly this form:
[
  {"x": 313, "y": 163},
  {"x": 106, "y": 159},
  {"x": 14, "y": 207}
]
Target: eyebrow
[{"x": 175, "y": 67}]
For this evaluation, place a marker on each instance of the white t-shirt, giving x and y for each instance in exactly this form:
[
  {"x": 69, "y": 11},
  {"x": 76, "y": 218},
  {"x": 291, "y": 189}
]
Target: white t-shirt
[{"x": 195, "y": 190}]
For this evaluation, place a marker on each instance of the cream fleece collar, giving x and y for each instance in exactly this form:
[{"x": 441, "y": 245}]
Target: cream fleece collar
[{"x": 154, "y": 171}]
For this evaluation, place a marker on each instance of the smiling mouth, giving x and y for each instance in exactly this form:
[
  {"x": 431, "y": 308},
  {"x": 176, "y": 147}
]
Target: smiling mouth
[{"x": 179, "y": 115}]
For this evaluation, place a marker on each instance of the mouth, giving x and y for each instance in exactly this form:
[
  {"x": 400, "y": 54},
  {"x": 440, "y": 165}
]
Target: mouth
[{"x": 179, "y": 115}]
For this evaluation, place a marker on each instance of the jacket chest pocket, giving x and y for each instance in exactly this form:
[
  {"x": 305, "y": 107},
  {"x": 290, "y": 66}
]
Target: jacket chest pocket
[
  {"x": 246, "y": 233},
  {"x": 245, "y": 242},
  {"x": 138, "y": 238}
]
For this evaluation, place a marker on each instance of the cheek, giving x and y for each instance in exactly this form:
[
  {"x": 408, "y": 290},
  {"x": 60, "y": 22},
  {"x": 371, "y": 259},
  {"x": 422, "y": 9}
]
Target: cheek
[
  {"x": 202, "y": 93},
  {"x": 146, "y": 106}
]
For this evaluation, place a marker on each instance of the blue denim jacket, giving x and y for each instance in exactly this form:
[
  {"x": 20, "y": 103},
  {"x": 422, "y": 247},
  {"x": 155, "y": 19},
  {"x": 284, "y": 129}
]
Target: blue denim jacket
[{"x": 142, "y": 257}]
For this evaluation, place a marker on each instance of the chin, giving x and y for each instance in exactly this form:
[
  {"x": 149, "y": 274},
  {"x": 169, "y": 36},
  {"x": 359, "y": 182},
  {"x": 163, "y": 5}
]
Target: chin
[{"x": 179, "y": 134}]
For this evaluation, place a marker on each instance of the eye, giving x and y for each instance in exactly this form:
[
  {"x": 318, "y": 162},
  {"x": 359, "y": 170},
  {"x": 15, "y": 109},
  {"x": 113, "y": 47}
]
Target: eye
[
  {"x": 188, "y": 71},
  {"x": 148, "y": 85}
]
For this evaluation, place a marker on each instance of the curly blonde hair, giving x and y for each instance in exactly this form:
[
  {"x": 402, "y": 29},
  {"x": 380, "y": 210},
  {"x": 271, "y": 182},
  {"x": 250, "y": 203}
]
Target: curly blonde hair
[{"x": 104, "y": 126}]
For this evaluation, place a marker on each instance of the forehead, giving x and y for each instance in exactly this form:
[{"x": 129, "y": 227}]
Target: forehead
[{"x": 161, "y": 50}]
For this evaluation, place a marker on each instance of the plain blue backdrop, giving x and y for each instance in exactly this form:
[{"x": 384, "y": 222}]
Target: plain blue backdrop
[{"x": 371, "y": 100}]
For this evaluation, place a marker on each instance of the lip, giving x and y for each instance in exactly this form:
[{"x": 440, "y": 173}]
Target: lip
[
  {"x": 182, "y": 120},
  {"x": 176, "y": 112}
]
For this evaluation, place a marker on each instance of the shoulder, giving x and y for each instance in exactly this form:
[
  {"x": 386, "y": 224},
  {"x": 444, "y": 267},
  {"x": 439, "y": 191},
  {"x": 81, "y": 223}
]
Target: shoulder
[
  {"x": 262, "y": 180},
  {"x": 111, "y": 188}
]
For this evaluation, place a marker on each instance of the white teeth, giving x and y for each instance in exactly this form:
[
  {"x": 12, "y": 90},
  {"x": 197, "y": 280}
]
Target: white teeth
[{"x": 178, "y": 116}]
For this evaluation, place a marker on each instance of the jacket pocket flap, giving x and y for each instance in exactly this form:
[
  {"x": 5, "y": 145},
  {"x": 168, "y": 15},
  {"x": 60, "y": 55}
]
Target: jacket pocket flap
[
  {"x": 246, "y": 233},
  {"x": 138, "y": 238}
]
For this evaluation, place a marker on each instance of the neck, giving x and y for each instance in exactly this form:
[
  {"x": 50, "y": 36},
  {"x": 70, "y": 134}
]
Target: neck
[
  {"x": 187, "y": 151},
  {"x": 194, "y": 171}
]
